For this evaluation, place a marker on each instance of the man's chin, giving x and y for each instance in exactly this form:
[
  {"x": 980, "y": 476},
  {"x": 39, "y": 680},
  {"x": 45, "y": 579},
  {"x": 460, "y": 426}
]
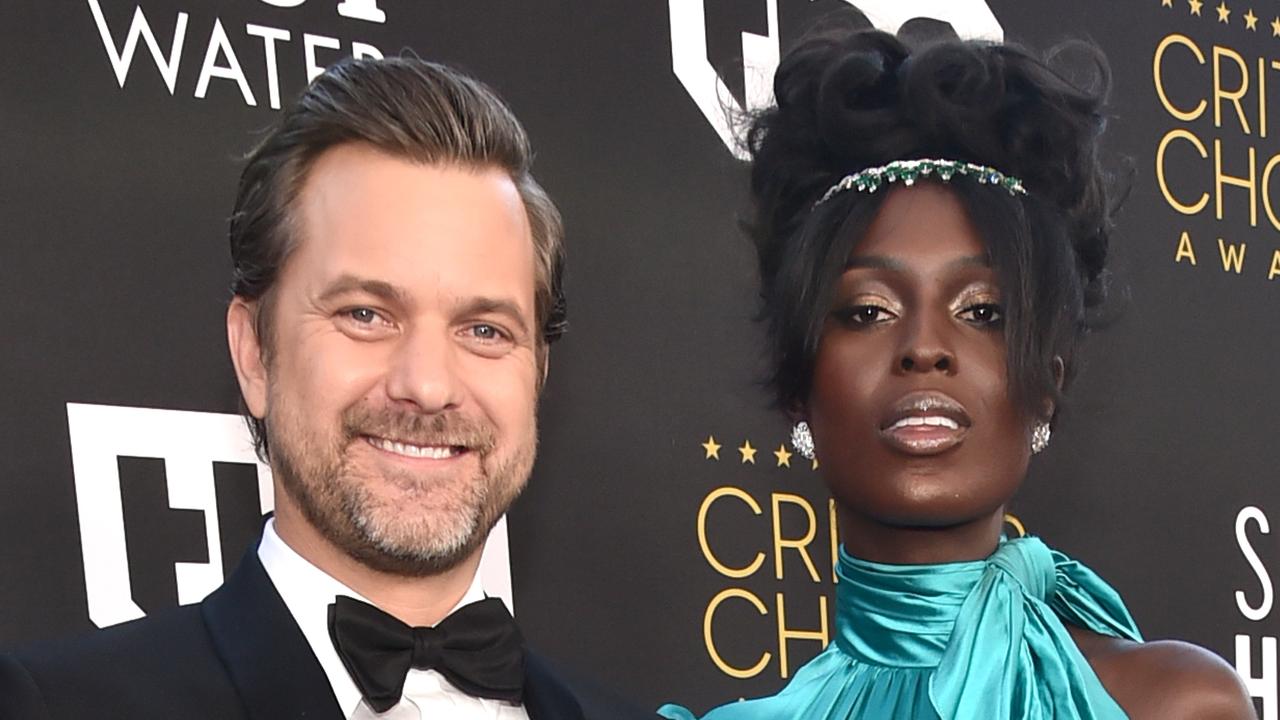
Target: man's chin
[{"x": 413, "y": 557}]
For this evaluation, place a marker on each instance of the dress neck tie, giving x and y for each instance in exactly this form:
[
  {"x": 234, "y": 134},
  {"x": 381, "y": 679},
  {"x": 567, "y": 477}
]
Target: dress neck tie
[{"x": 993, "y": 629}]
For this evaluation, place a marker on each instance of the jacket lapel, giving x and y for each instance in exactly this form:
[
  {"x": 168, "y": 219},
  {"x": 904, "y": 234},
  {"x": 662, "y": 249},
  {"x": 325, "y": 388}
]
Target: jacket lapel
[
  {"x": 546, "y": 697},
  {"x": 264, "y": 651}
]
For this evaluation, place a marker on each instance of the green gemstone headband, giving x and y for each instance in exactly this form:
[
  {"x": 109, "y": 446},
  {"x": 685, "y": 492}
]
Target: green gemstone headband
[{"x": 908, "y": 171}]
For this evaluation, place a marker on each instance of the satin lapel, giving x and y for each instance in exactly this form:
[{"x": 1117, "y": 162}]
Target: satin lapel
[
  {"x": 265, "y": 653},
  {"x": 546, "y": 697}
]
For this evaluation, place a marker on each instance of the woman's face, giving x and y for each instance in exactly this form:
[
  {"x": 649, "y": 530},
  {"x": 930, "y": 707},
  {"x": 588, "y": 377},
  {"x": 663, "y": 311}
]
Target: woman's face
[{"x": 910, "y": 409}]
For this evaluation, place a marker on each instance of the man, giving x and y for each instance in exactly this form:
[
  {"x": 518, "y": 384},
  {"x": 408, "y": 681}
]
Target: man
[{"x": 397, "y": 282}]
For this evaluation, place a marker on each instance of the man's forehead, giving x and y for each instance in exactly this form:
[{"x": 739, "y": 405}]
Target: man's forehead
[
  {"x": 358, "y": 168},
  {"x": 422, "y": 229}
]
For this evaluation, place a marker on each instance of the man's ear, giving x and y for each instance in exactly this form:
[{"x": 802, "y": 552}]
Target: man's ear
[
  {"x": 543, "y": 358},
  {"x": 246, "y": 354}
]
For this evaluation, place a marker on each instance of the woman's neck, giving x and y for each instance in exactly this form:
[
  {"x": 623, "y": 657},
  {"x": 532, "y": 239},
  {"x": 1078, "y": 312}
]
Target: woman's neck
[{"x": 900, "y": 545}]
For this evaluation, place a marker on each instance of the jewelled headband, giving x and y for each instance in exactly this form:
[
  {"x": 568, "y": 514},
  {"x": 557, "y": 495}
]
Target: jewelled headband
[{"x": 908, "y": 171}]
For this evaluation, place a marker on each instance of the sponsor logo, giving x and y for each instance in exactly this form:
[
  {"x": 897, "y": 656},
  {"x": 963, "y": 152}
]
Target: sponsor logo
[{"x": 225, "y": 44}]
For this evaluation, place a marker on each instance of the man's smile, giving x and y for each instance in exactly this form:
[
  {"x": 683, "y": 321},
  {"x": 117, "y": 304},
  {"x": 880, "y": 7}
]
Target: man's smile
[{"x": 403, "y": 449}]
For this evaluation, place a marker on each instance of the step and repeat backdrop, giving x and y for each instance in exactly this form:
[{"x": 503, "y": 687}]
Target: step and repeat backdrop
[{"x": 670, "y": 543}]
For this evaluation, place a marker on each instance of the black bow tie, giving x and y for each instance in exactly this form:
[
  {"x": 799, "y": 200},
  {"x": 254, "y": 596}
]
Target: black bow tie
[{"x": 478, "y": 648}]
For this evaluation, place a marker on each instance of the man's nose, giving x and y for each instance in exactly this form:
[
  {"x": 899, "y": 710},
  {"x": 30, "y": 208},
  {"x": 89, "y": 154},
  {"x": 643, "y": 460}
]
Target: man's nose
[{"x": 424, "y": 371}]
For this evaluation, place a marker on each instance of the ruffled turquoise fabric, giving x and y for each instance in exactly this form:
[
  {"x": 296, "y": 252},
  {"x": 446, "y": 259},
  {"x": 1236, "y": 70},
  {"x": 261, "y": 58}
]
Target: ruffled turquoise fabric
[{"x": 979, "y": 640}]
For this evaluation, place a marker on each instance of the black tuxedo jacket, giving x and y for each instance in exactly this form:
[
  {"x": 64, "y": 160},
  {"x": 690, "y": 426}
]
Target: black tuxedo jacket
[{"x": 237, "y": 655}]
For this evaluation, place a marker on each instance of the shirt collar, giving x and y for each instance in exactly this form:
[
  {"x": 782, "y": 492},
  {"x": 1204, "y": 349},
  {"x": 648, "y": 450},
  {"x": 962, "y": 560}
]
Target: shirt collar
[{"x": 308, "y": 591}]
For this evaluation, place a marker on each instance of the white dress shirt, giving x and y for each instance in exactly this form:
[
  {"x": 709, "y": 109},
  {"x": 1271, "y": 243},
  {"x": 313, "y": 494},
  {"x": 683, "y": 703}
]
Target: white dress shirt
[{"x": 307, "y": 592}]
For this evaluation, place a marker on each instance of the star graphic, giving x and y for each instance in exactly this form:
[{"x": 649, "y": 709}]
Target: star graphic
[
  {"x": 748, "y": 452},
  {"x": 1251, "y": 20},
  {"x": 1195, "y": 6},
  {"x": 784, "y": 457},
  {"x": 1166, "y": 3},
  {"x": 1275, "y": 27},
  {"x": 1223, "y": 12},
  {"x": 712, "y": 447}
]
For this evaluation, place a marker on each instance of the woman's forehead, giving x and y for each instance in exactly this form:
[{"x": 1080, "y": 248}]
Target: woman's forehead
[{"x": 923, "y": 222}]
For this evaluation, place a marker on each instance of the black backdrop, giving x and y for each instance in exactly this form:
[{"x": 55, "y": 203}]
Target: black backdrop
[{"x": 113, "y": 272}]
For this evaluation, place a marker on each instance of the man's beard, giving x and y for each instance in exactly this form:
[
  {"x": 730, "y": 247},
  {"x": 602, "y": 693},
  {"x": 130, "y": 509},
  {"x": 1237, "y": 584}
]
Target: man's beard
[{"x": 439, "y": 524}]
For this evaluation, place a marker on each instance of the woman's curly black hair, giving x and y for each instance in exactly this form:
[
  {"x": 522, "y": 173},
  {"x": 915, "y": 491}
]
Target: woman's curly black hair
[{"x": 858, "y": 99}]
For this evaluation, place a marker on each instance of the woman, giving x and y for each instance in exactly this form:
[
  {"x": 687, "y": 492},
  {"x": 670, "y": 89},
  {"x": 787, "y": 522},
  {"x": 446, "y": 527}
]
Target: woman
[{"x": 932, "y": 231}]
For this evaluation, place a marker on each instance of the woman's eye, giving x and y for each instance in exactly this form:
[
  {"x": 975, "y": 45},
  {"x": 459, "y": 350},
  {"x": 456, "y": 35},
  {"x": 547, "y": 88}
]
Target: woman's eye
[
  {"x": 866, "y": 315},
  {"x": 983, "y": 314}
]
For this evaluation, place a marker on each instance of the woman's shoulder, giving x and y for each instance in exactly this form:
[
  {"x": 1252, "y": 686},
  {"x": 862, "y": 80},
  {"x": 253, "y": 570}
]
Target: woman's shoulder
[{"x": 1166, "y": 679}]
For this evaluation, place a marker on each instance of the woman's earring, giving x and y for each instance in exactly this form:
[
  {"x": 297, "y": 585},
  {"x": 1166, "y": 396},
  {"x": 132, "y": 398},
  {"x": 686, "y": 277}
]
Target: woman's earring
[
  {"x": 1040, "y": 437},
  {"x": 802, "y": 439}
]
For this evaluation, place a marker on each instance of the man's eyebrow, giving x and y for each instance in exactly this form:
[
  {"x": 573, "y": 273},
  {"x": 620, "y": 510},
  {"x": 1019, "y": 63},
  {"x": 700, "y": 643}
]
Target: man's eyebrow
[
  {"x": 351, "y": 284},
  {"x": 500, "y": 306}
]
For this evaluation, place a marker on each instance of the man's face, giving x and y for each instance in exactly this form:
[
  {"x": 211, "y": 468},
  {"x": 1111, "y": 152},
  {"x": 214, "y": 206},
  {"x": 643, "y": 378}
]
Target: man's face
[{"x": 402, "y": 369}]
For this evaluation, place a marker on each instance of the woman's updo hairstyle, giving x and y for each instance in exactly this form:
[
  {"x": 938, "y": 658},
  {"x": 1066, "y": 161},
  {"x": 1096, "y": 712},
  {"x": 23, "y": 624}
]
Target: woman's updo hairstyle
[{"x": 859, "y": 99}]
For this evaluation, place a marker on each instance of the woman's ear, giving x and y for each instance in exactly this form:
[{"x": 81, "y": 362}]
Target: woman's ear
[
  {"x": 1059, "y": 378},
  {"x": 797, "y": 412}
]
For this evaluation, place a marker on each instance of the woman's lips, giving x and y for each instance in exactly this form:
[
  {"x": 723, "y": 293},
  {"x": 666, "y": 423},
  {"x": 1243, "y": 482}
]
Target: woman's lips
[
  {"x": 925, "y": 423},
  {"x": 923, "y": 439}
]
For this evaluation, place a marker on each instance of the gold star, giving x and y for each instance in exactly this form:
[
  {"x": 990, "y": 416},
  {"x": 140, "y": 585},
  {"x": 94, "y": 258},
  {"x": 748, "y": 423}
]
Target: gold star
[
  {"x": 1275, "y": 27},
  {"x": 1195, "y": 6},
  {"x": 1251, "y": 20},
  {"x": 1223, "y": 12},
  {"x": 712, "y": 448},
  {"x": 748, "y": 452},
  {"x": 784, "y": 457},
  {"x": 1166, "y": 3}
]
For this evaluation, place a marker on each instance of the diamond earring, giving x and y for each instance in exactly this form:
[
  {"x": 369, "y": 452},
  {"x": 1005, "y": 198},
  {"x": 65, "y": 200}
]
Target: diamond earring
[
  {"x": 802, "y": 439},
  {"x": 1040, "y": 437}
]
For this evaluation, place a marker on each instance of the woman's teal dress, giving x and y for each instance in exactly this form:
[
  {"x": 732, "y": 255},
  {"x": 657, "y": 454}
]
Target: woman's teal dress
[{"x": 979, "y": 640}]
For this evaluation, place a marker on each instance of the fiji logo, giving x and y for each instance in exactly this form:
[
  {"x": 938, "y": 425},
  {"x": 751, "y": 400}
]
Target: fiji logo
[{"x": 172, "y": 52}]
